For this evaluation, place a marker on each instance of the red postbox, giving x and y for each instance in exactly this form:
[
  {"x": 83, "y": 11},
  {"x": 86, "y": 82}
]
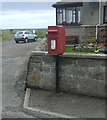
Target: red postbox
[{"x": 56, "y": 40}]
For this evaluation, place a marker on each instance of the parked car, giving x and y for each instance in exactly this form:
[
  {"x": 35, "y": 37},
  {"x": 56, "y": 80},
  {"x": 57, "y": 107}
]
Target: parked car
[{"x": 25, "y": 36}]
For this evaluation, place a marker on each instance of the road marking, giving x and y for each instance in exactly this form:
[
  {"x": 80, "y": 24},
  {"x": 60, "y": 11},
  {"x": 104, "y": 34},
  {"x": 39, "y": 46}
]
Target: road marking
[{"x": 26, "y": 102}]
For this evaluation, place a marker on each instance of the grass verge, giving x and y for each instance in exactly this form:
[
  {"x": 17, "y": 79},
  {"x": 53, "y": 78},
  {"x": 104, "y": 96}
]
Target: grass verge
[
  {"x": 6, "y": 36},
  {"x": 70, "y": 50}
]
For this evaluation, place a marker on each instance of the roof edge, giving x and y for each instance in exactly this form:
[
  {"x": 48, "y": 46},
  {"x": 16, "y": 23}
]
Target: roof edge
[{"x": 67, "y": 4}]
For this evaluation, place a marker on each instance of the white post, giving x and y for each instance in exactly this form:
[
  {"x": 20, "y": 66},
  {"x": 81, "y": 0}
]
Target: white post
[{"x": 98, "y": 21}]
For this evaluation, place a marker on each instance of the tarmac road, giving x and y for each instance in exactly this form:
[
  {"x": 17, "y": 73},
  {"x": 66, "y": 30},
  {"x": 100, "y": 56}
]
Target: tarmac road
[
  {"x": 14, "y": 65},
  {"x": 7, "y": 43}
]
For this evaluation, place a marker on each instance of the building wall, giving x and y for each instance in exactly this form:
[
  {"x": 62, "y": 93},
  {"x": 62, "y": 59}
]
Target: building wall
[
  {"x": 73, "y": 31},
  {"x": 87, "y": 33},
  {"x": 79, "y": 74},
  {"x": 89, "y": 20},
  {"x": 90, "y": 14}
]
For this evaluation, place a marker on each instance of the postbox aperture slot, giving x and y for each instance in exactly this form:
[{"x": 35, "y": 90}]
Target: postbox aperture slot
[{"x": 52, "y": 31}]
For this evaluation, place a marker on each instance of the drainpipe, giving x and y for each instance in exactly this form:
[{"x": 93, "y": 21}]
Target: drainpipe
[{"x": 98, "y": 23}]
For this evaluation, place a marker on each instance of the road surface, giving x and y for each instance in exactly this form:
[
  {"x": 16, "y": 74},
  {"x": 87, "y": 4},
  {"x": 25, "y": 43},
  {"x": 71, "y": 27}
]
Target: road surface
[{"x": 14, "y": 65}]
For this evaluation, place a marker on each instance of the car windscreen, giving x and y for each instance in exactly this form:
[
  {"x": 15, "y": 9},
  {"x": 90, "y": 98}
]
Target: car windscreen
[{"x": 19, "y": 33}]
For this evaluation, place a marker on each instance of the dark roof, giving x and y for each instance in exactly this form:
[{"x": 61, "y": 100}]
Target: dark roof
[{"x": 67, "y": 4}]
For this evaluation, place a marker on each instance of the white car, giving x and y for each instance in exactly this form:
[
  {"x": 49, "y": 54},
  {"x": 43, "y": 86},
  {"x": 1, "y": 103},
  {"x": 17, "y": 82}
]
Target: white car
[{"x": 25, "y": 36}]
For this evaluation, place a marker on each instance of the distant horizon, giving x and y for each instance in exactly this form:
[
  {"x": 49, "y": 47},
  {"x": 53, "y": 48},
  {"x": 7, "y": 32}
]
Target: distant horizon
[{"x": 23, "y": 28}]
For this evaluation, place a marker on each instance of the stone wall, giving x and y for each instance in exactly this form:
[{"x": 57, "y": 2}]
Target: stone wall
[
  {"x": 87, "y": 33},
  {"x": 79, "y": 73}
]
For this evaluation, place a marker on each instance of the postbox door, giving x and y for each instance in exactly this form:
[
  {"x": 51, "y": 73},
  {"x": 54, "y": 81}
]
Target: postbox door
[
  {"x": 52, "y": 39},
  {"x": 56, "y": 40}
]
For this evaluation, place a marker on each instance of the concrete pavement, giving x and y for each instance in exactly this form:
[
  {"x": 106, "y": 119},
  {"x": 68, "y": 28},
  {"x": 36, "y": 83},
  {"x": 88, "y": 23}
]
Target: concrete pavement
[{"x": 63, "y": 105}]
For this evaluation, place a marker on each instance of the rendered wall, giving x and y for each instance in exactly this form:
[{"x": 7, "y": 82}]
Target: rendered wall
[{"x": 79, "y": 74}]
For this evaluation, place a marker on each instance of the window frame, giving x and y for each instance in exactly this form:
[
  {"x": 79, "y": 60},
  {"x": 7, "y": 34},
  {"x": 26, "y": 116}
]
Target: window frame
[
  {"x": 67, "y": 10},
  {"x": 105, "y": 22}
]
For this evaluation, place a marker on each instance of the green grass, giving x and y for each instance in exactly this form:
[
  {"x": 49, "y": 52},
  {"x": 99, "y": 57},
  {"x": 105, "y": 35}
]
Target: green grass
[
  {"x": 8, "y": 34},
  {"x": 70, "y": 50},
  {"x": 41, "y": 33}
]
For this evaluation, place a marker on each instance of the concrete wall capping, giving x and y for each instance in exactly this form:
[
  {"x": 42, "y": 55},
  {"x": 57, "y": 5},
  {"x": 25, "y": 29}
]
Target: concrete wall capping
[
  {"x": 88, "y": 55},
  {"x": 74, "y": 55},
  {"x": 39, "y": 52}
]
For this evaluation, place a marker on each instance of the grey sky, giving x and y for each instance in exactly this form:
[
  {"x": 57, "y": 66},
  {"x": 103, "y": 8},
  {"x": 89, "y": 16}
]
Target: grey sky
[
  {"x": 26, "y": 6},
  {"x": 27, "y": 15}
]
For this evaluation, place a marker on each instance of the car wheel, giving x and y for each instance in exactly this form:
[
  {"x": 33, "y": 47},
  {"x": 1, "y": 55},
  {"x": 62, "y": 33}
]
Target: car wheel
[
  {"x": 26, "y": 40},
  {"x": 35, "y": 39},
  {"x": 16, "y": 41}
]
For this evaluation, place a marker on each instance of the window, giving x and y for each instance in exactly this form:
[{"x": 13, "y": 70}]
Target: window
[
  {"x": 71, "y": 15},
  {"x": 27, "y": 32},
  {"x": 19, "y": 33},
  {"x": 105, "y": 14}
]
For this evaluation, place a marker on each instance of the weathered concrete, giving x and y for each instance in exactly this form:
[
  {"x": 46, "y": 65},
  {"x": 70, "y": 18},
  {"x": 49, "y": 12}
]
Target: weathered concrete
[
  {"x": 63, "y": 105},
  {"x": 79, "y": 73}
]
